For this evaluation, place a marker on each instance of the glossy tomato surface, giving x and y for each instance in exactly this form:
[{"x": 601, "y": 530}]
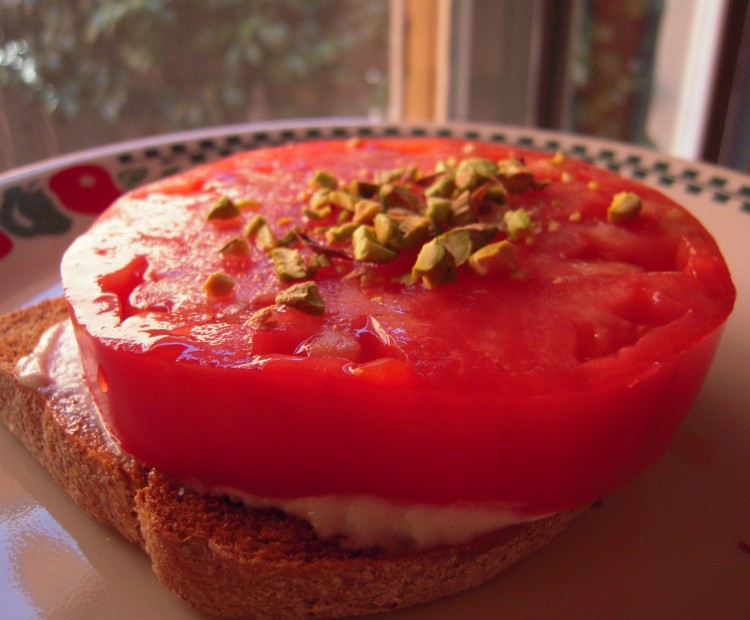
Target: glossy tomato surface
[{"x": 541, "y": 386}]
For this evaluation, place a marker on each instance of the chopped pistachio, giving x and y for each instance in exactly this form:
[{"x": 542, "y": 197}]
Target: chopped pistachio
[
  {"x": 223, "y": 209},
  {"x": 558, "y": 158},
  {"x": 303, "y": 296},
  {"x": 343, "y": 232},
  {"x": 625, "y": 206},
  {"x": 365, "y": 211},
  {"x": 259, "y": 228},
  {"x": 438, "y": 210},
  {"x": 247, "y": 203},
  {"x": 407, "y": 279},
  {"x": 412, "y": 229},
  {"x": 498, "y": 256},
  {"x": 263, "y": 318},
  {"x": 238, "y": 247},
  {"x": 458, "y": 243},
  {"x": 254, "y": 225},
  {"x": 323, "y": 178},
  {"x": 473, "y": 171},
  {"x": 463, "y": 241},
  {"x": 317, "y": 213},
  {"x": 461, "y": 211},
  {"x": 388, "y": 176},
  {"x": 495, "y": 192},
  {"x": 385, "y": 228},
  {"x": 368, "y": 249},
  {"x": 288, "y": 263},
  {"x": 264, "y": 238},
  {"x": 517, "y": 222},
  {"x": 446, "y": 165},
  {"x": 317, "y": 260},
  {"x": 481, "y": 165},
  {"x": 397, "y": 196},
  {"x": 516, "y": 176},
  {"x": 435, "y": 265},
  {"x": 363, "y": 189},
  {"x": 443, "y": 187},
  {"x": 288, "y": 239},
  {"x": 341, "y": 199},
  {"x": 218, "y": 285},
  {"x": 319, "y": 198}
]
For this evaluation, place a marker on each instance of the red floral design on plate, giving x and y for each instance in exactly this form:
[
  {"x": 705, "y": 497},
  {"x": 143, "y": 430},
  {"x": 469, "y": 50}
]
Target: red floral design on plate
[
  {"x": 85, "y": 189},
  {"x": 6, "y": 245}
]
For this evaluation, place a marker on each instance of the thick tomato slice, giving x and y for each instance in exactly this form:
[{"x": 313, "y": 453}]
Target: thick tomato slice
[{"x": 541, "y": 388}]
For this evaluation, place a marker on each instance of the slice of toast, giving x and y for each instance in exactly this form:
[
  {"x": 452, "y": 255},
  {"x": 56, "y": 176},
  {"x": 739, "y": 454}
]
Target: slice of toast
[{"x": 218, "y": 555}]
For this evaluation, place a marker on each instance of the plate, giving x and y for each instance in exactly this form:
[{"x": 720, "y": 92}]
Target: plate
[{"x": 674, "y": 543}]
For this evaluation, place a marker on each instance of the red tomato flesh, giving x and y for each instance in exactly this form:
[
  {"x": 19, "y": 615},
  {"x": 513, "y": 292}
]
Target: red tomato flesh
[{"x": 542, "y": 392}]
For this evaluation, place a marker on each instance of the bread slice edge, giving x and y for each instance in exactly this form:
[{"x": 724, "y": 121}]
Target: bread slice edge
[{"x": 219, "y": 556}]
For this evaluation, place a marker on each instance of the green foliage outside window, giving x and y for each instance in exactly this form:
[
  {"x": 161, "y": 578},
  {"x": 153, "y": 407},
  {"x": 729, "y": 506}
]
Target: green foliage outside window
[{"x": 172, "y": 64}]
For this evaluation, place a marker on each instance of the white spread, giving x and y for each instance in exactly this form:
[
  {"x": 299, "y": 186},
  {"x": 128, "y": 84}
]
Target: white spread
[{"x": 54, "y": 368}]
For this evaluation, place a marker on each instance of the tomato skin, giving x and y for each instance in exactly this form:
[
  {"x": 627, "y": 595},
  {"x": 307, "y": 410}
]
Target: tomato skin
[
  {"x": 554, "y": 409},
  {"x": 559, "y": 450}
]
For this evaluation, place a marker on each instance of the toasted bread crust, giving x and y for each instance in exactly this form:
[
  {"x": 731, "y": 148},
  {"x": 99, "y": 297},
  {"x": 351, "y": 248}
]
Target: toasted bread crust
[{"x": 220, "y": 556}]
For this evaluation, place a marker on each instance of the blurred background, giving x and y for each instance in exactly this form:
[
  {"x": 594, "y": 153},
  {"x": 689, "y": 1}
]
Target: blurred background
[{"x": 670, "y": 74}]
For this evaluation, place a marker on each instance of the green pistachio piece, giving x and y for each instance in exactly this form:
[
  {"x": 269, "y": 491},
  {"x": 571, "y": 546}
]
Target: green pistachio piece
[
  {"x": 446, "y": 165},
  {"x": 438, "y": 210},
  {"x": 411, "y": 230},
  {"x": 443, "y": 187},
  {"x": 259, "y": 228},
  {"x": 498, "y": 256},
  {"x": 461, "y": 211},
  {"x": 317, "y": 213},
  {"x": 238, "y": 247},
  {"x": 386, "y": 229},
  {"x": 288, "y": 263},
  {"x": 264, "y": 238},
  {"x": 517, "y": 222},
  {"x": 458, "y": 243},
  {"x": 388, "y": 176},
  {"x": 516, "y": 176},
  {"x": 474, "y": 170},
  {"x": 495, "y": 192},
  {"x": 319, "y": 199},
  {"x": 463, "y": 241},
  {"x": 434, "y": 265},
  {"x": 365, "y": 211},
  {"x": 263, "y": 318},
  {"x": 288, "y": 239},
  {"x": 323, "y": 178},
  {"x": 341, "y": 199},
  {"x": 218, "y": 285},
  {"x": 625, "y": 207},
  {"x": 254, "y": 225},
  {"x": 368, "y": 249},
  {"x": 397, "y": 196},
  {"x": 363, "y": 189},
  {"x": 223, "y": 209},
  {"x": 317, "y": 260},
  {"x": 303, "y": 296},
  {"x": 343, "y": 232}
]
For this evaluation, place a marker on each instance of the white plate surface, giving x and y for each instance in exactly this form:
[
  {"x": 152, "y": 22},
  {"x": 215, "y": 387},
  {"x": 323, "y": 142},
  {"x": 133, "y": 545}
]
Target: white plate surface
[{"x": 674, "y": 543}]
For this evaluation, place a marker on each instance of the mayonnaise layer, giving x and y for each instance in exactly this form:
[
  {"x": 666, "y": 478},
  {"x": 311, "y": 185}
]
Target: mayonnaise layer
[{"x": 54, "y": 369}]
